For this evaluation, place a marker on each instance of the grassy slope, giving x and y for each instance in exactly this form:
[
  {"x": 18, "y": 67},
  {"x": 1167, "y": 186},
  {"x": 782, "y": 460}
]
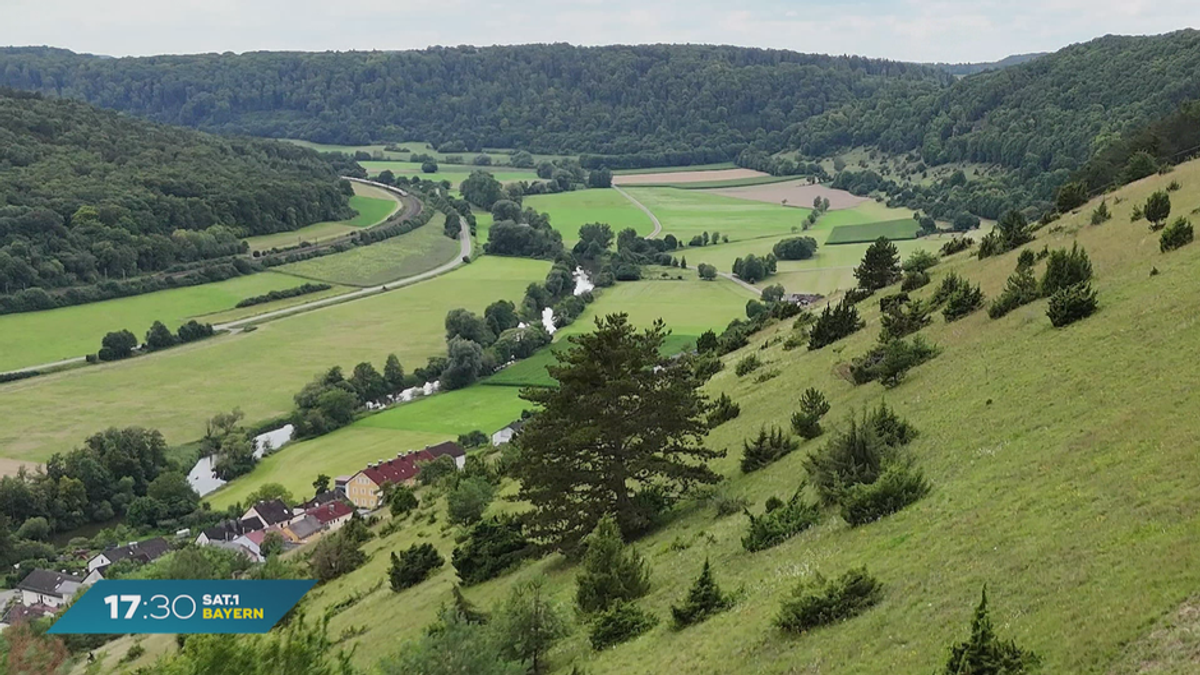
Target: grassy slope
[
  {"x": 400, "y": 257},
  {"x": 39, "y": 337},
  {"x": 1070, "y": 495},
  {"x": 571, "y": 210},
  {"x": 373, "y": 206},
  {"x": 176, "y": 390},
  {"x": 675, "y": 169}
]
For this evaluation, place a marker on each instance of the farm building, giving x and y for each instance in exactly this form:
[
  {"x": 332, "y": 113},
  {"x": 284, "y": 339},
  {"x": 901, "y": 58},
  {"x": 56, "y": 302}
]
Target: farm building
[
  {"x": 45, "y": 587},
  {"x": 506, "y": 434}
]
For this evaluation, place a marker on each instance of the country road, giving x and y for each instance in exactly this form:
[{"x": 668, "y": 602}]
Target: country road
[
  {"x": 653, "y": 218},
  {"x": 235, "y": 326},
  {"x": 658, "y": 230}
]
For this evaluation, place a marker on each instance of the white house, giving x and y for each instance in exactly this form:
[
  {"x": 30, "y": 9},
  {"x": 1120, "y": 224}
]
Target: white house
[
  {"x": 140, "y": 551},
  {"x": 53, "y": 589},
  {"x": 506, "y": 434}
]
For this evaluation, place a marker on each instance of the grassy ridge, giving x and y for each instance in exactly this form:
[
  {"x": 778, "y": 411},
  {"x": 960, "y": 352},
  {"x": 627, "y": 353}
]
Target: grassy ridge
[
  {"x": 905, "y": 228},
  {"x": 177, "y": 390},
  {"x": 710, "y": 184},
  {"x": 372, "y": 204},
  {"x": 393, "y": 259},
  {"x": 455, "y": 173}
]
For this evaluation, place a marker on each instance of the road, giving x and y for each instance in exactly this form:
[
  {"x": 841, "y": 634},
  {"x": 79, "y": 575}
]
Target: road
[
  {"x": 234, "y": 326},
  {"x": 653, "y": 218},
  {"x": 658, "y": 230}
]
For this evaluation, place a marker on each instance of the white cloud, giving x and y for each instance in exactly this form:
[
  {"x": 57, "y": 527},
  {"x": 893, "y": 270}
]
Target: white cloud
[{"x": 925, "y": 30}]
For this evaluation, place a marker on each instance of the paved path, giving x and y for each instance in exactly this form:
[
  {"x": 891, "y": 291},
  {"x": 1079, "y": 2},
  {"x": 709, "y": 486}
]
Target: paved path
[
  {"x": 739, "y": 282},
  {"x": 653, "y": 218},
  {"x": 235, "y": 326}
]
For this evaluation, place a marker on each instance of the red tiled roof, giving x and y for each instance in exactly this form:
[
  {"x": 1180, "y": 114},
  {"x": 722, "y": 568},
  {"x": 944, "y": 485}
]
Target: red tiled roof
[
  {"x": 404, "y": 467},
  {"x": 326, "y": 513}
]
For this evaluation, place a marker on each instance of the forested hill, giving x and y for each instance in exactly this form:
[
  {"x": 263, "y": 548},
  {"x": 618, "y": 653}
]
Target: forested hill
[
  {"x": 1049, "y": 114},
  {"x": 89, "y": 194},
  {"x": 964, "y": 69},
  {"x": 552, "y": 98}
]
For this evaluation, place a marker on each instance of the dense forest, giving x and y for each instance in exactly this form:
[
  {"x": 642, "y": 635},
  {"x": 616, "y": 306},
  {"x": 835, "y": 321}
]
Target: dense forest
[
  {"x": 89, "y": 194},
  {"x": 543, "y": 98}
]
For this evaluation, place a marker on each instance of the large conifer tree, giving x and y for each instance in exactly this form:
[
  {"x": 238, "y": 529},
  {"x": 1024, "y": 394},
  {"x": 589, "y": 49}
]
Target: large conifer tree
[{"x": 621, "y": 434}]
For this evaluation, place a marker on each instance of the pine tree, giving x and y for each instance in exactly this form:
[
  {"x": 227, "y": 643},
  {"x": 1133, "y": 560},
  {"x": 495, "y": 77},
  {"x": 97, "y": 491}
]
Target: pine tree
[
  {"x": 880, "y": 265},
  {"x": 393, "y": 373},
  {"x": 1157, "y": 209},
  {"x": 766, "y": 448},
  {"x": 813, "y": 406},
  {"x": 655, "y": 434},
  {"x": 611, "y": 571},
  {"x": 985, "y": 654},
  {"x": 529, "y": 623},
  {"x": 703, "y": 600},
  {"x": 683, "y": 262}
]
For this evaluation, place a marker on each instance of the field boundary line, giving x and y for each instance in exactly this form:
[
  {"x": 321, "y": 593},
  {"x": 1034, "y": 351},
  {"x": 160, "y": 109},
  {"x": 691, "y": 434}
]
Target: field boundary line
[{"x": 653, "y": 218}]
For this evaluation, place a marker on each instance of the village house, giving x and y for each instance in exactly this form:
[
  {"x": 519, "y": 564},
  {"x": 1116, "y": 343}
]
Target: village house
[
  {"x": 228, "y": 530},
  {"x": 332, "y": 515},
  {"x": 299, "y": 530},
  {"x": 322, "y": 498},
  {"x": 271, "y": 512},
  {"x": 19, "y": 613},
  {"x": 138, "y": 551},
  {"x": 506, "y": 434},
  {"x": 365, "y": 488},
  {"x": 44, "y": 587}
]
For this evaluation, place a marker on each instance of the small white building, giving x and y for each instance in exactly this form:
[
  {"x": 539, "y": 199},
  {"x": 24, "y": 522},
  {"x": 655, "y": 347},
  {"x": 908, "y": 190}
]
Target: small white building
[
  {"x": 44, "y": 587},
  {"x": 506, "y": 434}
]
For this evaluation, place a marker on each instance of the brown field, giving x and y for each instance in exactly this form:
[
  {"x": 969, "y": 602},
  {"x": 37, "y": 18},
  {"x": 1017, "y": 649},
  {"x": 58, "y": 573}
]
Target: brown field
[
  {"x": 687, "y": 177},
  {"x": 10, "y": 467},
  {"x": 797, "y": 193}
]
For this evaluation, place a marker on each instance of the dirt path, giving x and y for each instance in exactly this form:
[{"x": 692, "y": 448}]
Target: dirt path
[
  {"x": 739, "y": 282},
  {"x": 653, "y": 218},
  {"x": 235, "y": 326}
]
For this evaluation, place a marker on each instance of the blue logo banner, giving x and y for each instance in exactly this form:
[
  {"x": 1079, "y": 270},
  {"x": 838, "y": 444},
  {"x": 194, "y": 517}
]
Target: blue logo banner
[{"x": 182, "y": 606}]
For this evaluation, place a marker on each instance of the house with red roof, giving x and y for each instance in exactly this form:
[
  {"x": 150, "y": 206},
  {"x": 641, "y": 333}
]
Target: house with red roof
[
  {"x": 331, "y": 515},
  {"x": 365, "y": 488}
]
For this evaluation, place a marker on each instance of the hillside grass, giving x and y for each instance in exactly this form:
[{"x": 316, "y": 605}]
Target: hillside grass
[
  {"x": 175, "y": 391},
  {"x": 905, "y": 228},
  {"x": 32, "y": 338},
  {"x": 409, "y": 254},
  {"x": 1063, "y": 474},
  {"x": 711, "y": 184},
  {"x": 499, "y": 155},
  {"x": 372, "y": 204},
  {"x": 571, "y": 210},
  {"x": 531, "y": 372}
]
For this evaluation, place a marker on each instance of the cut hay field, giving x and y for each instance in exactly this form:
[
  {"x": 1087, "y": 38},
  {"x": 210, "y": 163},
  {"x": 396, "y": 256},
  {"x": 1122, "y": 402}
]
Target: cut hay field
[
  {"x": 455, "y": 173},
  {"x": 373, "y": 205},
  {"x": 32, "y": 338},
  {"x": 177, "y": 390},
  {"x": 904, "y": 228},
  {"x": 1070, "y": 495},
  {"x": 411, "y": 426},
  {"x": 409, "y": 254},
  {"x": 660, "y": 178},
  {"x": 686, "y": 213},
  {"x": 571, "y": 210}
]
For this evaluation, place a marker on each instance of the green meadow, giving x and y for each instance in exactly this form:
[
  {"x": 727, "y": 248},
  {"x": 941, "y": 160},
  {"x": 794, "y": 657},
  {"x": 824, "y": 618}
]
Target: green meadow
[
  {"x": 409, "y": 254},
  {"x": 1049, "y": 464},
  {"x": 175, "y": 391},
  {"x": 905, "y": 228},
  {"x": 372, "y": 204},
  {"x": 676, "y": 169},
  {"x": 686, "y": 213},
  {"x": 32, "y": 338},
  {"x": 409, "y": 426},
  {"x": 378, "y": 153},
  {"x": 455, "y": 173},
  {"x": 571, "y": 210}
]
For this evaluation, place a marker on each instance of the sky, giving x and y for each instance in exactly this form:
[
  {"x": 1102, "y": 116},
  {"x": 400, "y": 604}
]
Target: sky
[{"x": 908, "y": 30}]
